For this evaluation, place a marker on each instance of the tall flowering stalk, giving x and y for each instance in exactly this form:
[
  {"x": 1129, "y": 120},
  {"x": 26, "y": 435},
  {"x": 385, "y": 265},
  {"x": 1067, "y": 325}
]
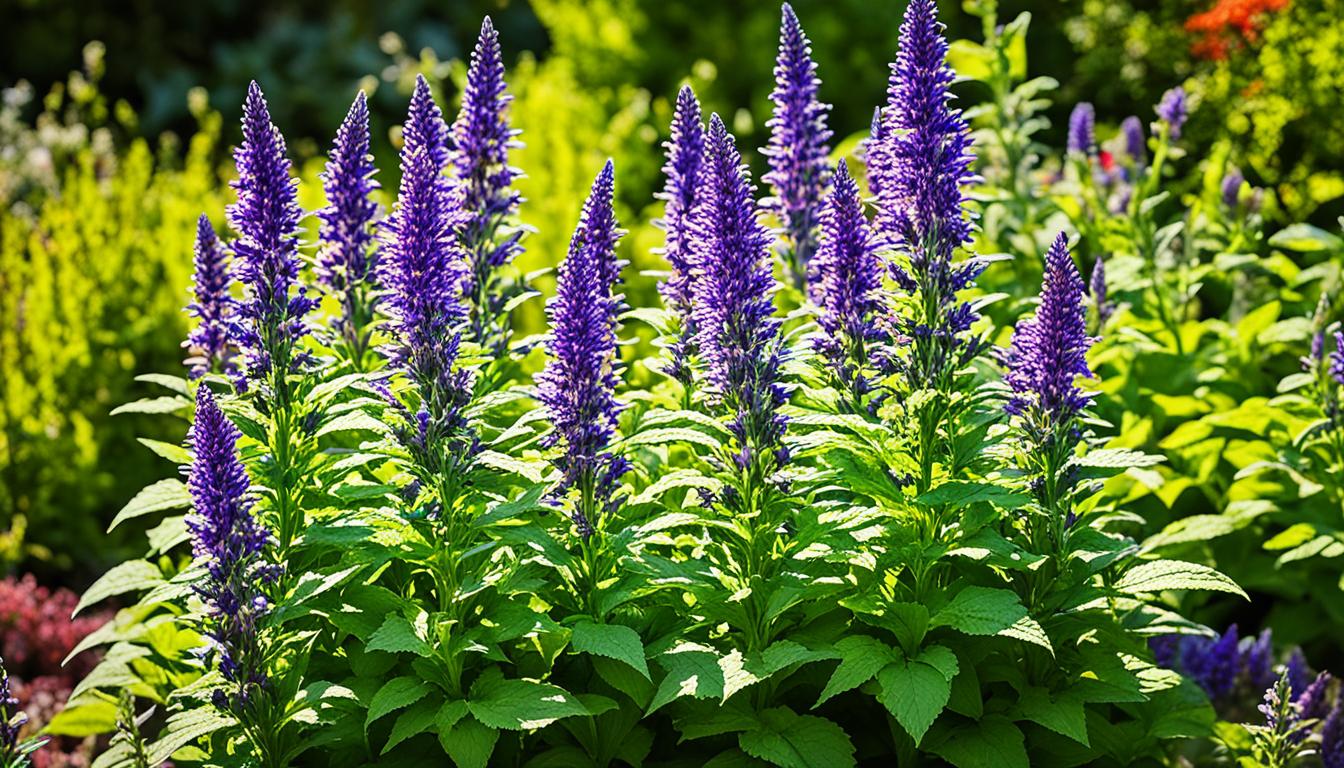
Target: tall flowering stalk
[
  {"x": 798, "y": 150},
  {"x": 482, "y": 138},
  {"x": 1082, "y": 129},
  {"x": 269, "y": 322},
  {"x": 208, "y": 342},
  {"x": 1098, "y": 290},
  {"x": 14, "y": 753},
  {"x": 1279, "y": 742},
  {"x": 737, "y": 335},
  {"x": 421, "y": 269},
  {"x": 1324, "y": 365},
  {"x": 848, "y": 281},
  {"x": 1047, "y": 355},
  {"x": 578, "y": 385},
  {"x": 1135, "y": 141},
  {"x": 348, "y": 257},
  {"x": 681, "y": 189},
  {"x": 921, "y": 175},
  {"x": 231, "y": 545}
]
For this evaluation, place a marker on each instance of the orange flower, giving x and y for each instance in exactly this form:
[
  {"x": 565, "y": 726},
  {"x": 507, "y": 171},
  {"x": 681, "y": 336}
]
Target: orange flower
[{"x": 1228, "y": 25}]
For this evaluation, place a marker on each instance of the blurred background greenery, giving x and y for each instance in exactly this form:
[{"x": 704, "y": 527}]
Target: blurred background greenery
[{"x": 117, "y": 118}]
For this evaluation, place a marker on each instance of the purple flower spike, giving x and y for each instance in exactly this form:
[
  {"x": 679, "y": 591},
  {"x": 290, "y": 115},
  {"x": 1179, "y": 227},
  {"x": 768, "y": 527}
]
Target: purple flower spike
[
  {"x": 483, "y": 137},
  {"x": 927, "y": 158},
  {"x": 685, "y": 154},
  {"x": 798, "y": 150},
  {"x": 1314, "y": 701},
  {"x": 1337, "y": 360},
  {"x": 424, "y": 125},
  {"x": 737, "y": 335},
  {"x": 1231, "y": 187},
  {"x": 1049, "y": 351},
  {"x": 921, "y": 175},
  {"x": 1213, "y": 664},
  {"x": 1136, "y": 142},
  {"x": 1097, "y": 286},
  {"x": 422, "y": 265},
  {"x": 230, "y": 544},
  {"x": 1332, "y": 737},
  {"x": 1173, "y": 110},
  {"x": 268, "y": 322},
  {"x": 348, "y": 257},
  {"x": 12, "y": 719},
  {"x": 1258, "y": 660},
  {"x": 578, "y": 385},
  {"x": 209, "y": 341},
  {"x": 848, "y": 274},
  {"x": 1082, "y": 129}
]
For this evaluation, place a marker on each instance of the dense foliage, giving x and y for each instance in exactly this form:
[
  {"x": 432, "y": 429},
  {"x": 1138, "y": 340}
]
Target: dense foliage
[{"x": 947, "y": 467}]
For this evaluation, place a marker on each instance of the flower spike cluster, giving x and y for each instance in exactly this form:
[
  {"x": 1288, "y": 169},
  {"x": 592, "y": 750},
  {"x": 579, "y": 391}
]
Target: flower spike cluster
[
  {"x": 209, "y": 341},
  {"x": 482, "y": 138},
  {"x": 798, "y": 150},
  {"x": 1135, "y": 141},
  {"x": 737, "y": 335},
  {"x": 1049, "y": 351},
  {"x": 348, "y": 256},
  {"x": 921, "y": 176},
  {"x": 269, "y": 320},
  {"x": 848, "y": 275},
  {"x": 1082, "y": 129},
  {"x": 12, "y": 719},
  {"x": 421, "y": 269},
  {"x": 1231, "y": 187},
  {"x": 1097, "y": 287},
  {"x": 230, "y": 543},
  {"x": 423, "y": 264},
  {"x": 578, "y": 385},
  {"x": 685, "y": 155},
  {"x": 1173, "y": 110}
]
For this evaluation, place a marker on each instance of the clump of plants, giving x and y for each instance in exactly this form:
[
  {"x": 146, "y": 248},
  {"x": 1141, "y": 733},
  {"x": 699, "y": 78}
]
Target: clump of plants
[{"x": 823, "y": 520}]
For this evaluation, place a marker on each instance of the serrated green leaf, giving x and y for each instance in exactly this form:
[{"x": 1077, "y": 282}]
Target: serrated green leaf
[
  {"x": 352, "y": 421},
  {"x": 519, "y": 705},
  {"x": 396, "y": 635},
  {"x": 173, "y": 383},
  {"x": 1118, "y": 458},
  {"x": 614, "y": 641},
  {"x": 1062, "y": 713},
  {"x": 671, "y": 435},
  {"x": 130, "y": 576},
  {"x": 397, "y": 693},
  {"x": 90, "y": 716},
  {"x": 170, "y": 451},
  {"x": 184, "y": 728},
  {"x": 981, "y": 611},
  {"x": 469, "y": 743},
  {"x": 861, "y": 658},
  {"x": 960, "y": 493},
  {"x": 692, "y": 670},
  {"x": 1161, "y": 575},
  {"x": 1305, "y": 238},
  {"x": 414, "y": 721},
  {"x": 789, "y": 740},
  {"x": 915, "y": 694},
  {"x": 993, "y": 742},
  {"x": 165, "y": 404},
  {"x": 161, "y": 496}
]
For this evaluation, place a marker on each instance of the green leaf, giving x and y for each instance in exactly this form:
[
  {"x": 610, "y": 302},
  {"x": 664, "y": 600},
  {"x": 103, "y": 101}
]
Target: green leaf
[
  {"x": 396, "y": 635},
  {"x": 915, "y": 693},
  {"x": 414, "y": 721},
  {"x": 469, "y": 743},
  {"x": 1118, "y": 458},
  {"x": 1161, "y": 575},
  {"x": 397, "y": 693},
  {"x": 352, "y": 421},
  {"x": 170, "y": 451},
  {"x": 166, "y": 404},
  {"x": 960, "y": 493},
  {"x": 861, "y": 658},
  {"x": 528, "y": 470},
  {"x": 1305, "y": 238},
  {"x": 174, "y": 383},
  {"x": 692, "y": 670},
  {"x": 790, "y": 740},
  {"x": 1062, "y": 713},
  {"x": 519, "y": 705},
  {"x": 981, "y": 611},
  {"x": 184, "y": 728},
  {"x": 993, "y": 742},
  {"x": 130, "y": 576},
  {"x": 669, "y": 435},
  {"x": 163, "y": 495},
  {"x": 88, "y": 717},
  {"x": 614, "y": 641}
]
